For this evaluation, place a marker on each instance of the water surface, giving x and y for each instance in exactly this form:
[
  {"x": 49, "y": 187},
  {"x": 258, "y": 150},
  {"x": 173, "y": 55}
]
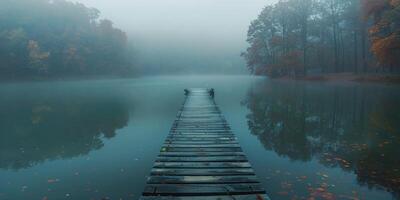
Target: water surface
[{"x": 98, "y": 139}]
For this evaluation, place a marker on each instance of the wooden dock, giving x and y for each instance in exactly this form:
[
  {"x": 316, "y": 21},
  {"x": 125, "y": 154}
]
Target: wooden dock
[{"x": 201, "y": 158}]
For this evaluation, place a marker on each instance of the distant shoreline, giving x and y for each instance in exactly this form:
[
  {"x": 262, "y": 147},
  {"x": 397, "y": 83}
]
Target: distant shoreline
[
  {"x": 67, "y": 78},
  {"x": 334, "y": 77},
  {"x": 101, "y": 77},
  {"x": 348, "y": 77}
]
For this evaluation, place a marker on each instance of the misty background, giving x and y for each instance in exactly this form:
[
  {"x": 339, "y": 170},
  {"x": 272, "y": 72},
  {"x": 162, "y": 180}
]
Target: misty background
[{"x": 191, "y": 36}]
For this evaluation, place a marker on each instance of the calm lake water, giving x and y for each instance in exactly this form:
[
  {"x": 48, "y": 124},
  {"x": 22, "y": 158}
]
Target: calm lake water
[{"x": 98, "y": 139}]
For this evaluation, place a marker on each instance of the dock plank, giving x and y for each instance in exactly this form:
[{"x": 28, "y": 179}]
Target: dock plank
[
  {"x": 201, "y": 179},
  {"x": 201, "y": 158},
  {"x": 200, "y": 165},
  {"x": 213, "y": 197},
  {"x": 201, "y": 190},
  {"x": 201, "y": 172}
]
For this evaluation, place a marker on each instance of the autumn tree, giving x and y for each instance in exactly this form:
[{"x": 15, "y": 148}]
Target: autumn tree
[
  {"x": 41, "y": 38},
  {"x": 306, "y": 37},
  {"x": 385, "y": 31}
]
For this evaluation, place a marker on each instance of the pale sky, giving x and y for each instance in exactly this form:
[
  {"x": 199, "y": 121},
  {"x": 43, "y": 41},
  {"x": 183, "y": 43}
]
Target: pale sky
[{"x": 201, "y": 26}]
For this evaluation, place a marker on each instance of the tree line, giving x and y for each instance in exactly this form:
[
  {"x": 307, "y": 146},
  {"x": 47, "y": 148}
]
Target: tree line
[
  {"x": 58, "y": 38},
  {"x": 302, "y": 37}
]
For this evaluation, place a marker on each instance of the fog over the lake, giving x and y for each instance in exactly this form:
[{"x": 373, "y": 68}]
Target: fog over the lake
[{"x": 184, "y": 36}]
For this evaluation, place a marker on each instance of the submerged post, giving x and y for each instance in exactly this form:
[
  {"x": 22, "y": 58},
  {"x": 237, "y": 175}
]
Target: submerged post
[
  {"x": 212, "y": 92},
  {"x": 201, "y": 158}
]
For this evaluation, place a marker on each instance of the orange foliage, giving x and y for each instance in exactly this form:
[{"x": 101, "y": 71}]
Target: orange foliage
[
  {"x": 293, "y": 59},
  {"x": 377, "y": 28},
  {"x": 387, "y": 49},
  {"x": 384, "y": 34}
]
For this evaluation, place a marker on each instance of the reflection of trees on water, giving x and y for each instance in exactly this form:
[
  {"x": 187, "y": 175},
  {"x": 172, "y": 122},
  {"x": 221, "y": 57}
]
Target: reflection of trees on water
[
  {"x": 353, "y": 127},
  {"x": 32, "y": 131}
]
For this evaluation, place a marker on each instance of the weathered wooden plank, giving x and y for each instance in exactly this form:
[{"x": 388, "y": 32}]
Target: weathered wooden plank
[
  {"x": 184, "y": 124},
  {"x": 200, "y": 120},
  {"x": 193, "y": 154},
  {"x": 203, "y": 135},
  {"x": 201, "y": 127},
  {"x": 168, "y": 142},
  {"x": 211, "y": 131},
  {"x": 197, "y": 132},
  {"x": 200, "y": 149},
  {"x": 194, "y": 138},
  {"x": 199, "y": 141},
  {"x": 201, "y": 179},
  {"x": 213, "y": 197},
  {"x": 202, "y": 146},
  {"x": 199, "y": 135},
  {"x": 201, "y": 172},
  {"x": 200, "y": 113},
  {"x": 200, "y": 132},
  {"x": 202, "y": 190},
  {"x": 201, "y": 158},
  {"x": 199, "y": 165},
  {"x": 186, "y": 138},
  {"x": 204, "y": 142},
  {"x": 222, "y": 122},
  {"x": 189, "y": 113}
]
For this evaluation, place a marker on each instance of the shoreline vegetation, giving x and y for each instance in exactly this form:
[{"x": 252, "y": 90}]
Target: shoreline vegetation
[
  {"x": 65, "y": 78},
  {"x": 333, "y": 77},
  {"x": 43, "y": 39},
  {"x": 326, "y": 40},
  {"x": 354, "y": 40},
  {"x": 347, "y": 77}
]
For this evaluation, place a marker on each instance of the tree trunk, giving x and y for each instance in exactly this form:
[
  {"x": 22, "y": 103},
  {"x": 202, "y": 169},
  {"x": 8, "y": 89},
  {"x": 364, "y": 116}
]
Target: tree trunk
[
  {"x": 335, "y": 36},
  {"x": 305, "y": 35},
  {"x": 363, "y": 47},
  {"x": 342, "y": 50},
  {"x": 355, "y": 69},
  {"x": 335, "y": 46}
]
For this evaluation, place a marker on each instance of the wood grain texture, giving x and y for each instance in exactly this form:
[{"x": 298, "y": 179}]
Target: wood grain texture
[{"x": 201, "y": 158}]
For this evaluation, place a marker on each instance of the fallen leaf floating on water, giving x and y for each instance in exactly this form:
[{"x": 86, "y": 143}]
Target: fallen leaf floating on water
[
  {"x": 348, "y": 197},
  {"x": 285, "y": 185},
  {"x": 259, "y": 197},
  {"x": 301, "y": 178},
  {"x": 321, "y": 193},
  {"x": 23, "y": 188}
]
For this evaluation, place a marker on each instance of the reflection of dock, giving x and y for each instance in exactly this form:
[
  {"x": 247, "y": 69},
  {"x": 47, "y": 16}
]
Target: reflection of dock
[{"x": 201, "y": 158}]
